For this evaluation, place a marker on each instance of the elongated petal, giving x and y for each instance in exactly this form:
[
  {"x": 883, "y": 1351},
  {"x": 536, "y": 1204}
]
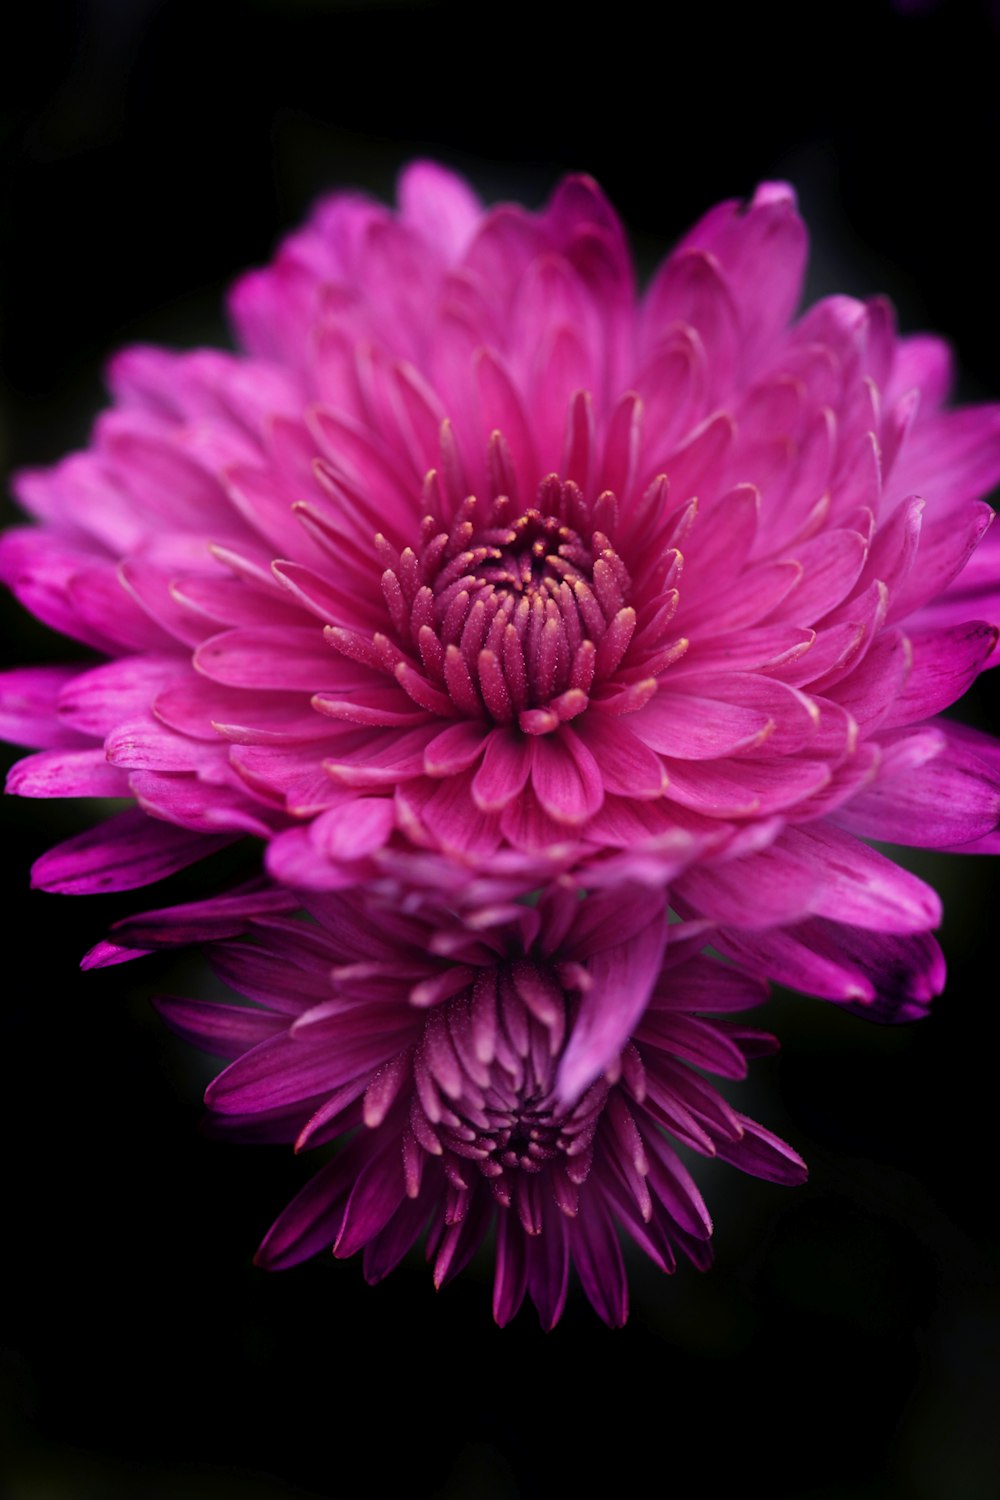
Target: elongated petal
[
  {"x": 29, "y": 698},
  {"x": 566, "y": 778},
  {"x": 621, "y": 979},
  {"x": 128, "y": 850}
]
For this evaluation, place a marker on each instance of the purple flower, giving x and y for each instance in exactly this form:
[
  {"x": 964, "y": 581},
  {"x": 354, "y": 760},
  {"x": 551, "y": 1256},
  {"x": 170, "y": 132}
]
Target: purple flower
[
  {"x": 474, "y": 550},
  {"x": 524, "y": 1073}
]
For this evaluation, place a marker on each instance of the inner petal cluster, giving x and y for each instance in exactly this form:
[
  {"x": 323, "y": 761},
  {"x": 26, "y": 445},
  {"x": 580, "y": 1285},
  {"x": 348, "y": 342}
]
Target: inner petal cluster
[
  {"x": 484, "y": 1095},
  {"x": 515, "y": 612}
]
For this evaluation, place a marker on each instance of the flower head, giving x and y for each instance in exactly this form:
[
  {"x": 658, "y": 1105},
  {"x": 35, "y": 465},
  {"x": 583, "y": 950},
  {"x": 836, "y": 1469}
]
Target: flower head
[
  {"x": 473, "y": 552},
  {"x": 472, "y": 548},
  {"x": 528, "y": 1074},
  {"x": 476, "y": 577}
]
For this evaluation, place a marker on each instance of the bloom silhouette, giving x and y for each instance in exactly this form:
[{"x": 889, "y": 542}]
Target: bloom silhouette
[
  {"x": 514, "y": 610},
  {"x": 525, "y": 1075},
  {"x": 473, "y": 550}
]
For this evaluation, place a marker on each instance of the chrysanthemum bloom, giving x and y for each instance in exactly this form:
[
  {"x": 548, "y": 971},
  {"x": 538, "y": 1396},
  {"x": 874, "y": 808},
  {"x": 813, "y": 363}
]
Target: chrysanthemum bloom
[
  {"x": 473, "y": 549},
  {"x": 525, "y": 1076}
]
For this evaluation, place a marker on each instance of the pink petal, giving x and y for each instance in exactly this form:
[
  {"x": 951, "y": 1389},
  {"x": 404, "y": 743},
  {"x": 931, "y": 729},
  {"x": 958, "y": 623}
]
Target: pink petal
[
  {"x": 66, "y": 773},
  {"x": 622, "y": 977},
  {"x": 455, "y": 749},
  {"x": 859, "y": 885},
  {"x": 950, "y": 799},
  {"x": 354, "y": 830},
  {"x": 627, "y": 766},
  {"x": 440, "y": 205},
  {"x": 690, "y": 727},
  {"x": 565, "y": 776},
  {"x": 97, "y": 701},
  {"x": 945, "y": 663},
  {"x": 881, "y": 975},
  {"x": 226, "y": 1030},
  {"x": 312, "y": 1220},
  {"x": 123, "y": 852},
  {"x": 506, "y": 766},
  {"x": 28, "y": 703},
  {"x": 283, "y": 657},
  {"x": 377, "y": 1193},
  {"x": 764, "y": 1155},
  {"x": 598, "y": 1260}
]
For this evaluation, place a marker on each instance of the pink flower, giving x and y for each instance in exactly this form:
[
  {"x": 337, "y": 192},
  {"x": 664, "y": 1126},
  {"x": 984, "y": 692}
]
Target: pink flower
[
  {"x": 474, "y": 550},
  {"x": 526, "y": 1075}
]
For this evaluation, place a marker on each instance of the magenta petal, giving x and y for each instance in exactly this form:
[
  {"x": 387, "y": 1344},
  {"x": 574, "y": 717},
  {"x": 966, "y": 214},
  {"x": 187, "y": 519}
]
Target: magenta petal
[
  {"x": 146, "y": 745},
  {"x": 548, "y": 1269},
  {"x": 385, "y": 759},
  {"x": 813, "y": 870},
  {"x": 695, "y": 1041},
  {"x": 831, "y": 565},
  {"x": 285, "y": 1071},
  {"x": 883, "y": 976},
  {"x": 455, "y": 749},
  {"x": 869, "y": 692},
  {"x": 377, "y": 1193},
  {"x": 628, "y": 767},
  {"x": 950, "y": 554},
  {"x": 354, "y": 830},
  {"x": 226, "y": 1030},
  {"x": 151, "y": 588},
  {"x": 762, "y": 251},
  {"x": 621, "y": 979},
  {"x": 945, "y": 662},
  {"x": 506, "y": 765},
  {"x": 293, "y": 859},
  {"x": 749, "y": 600},
  {"x": 173, "y": 485},
  {"x": 386, "y": 1249},
  {"x": 764, "y": 1155},
  {"x": 527, "y": 826},
  {"x": 440, "y": 204},
  {"x": 100, "y": 597},
  {"x": 859, "y": 885},
  {"x": 64, "y": 590},
  {"x": 283, "y": 657},
  {"x": 950, "y": 799},
  {"x": 105, "y": 955},
  {"x": 734, "y": 788},
  {"x": 598, "y": 1260},
  {"x": 761, "y": 890},
  {"x": 263, "y": 975},
  {"x": 96, "y": 702},
  {"x": 689, "y": 291},
  {"x": 204, "y": 807},
  {"x": 953, "y": 456},
  {"x": 206, "y": 921},
  {"x": 126, "y": 851},
  {"x": 975, "y": 593},
  {"x": 205, "y": 711},
  {"x": 66, "y": 773},
  {"x": 28, "y": 707},
  {"x": 510, "y": 1280},
  {"x": 689, "y": 727},
  {"x": 444, "y": 814},
  {"x": 695, "y": 983},
  {"x": 566, "y": 778},
  {"x": 312, "y": 1220},
  {"x": 675, "y": 1188}
]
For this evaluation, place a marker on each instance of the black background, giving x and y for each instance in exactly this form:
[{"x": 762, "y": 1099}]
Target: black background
[{"x": 846, "y": 1344}]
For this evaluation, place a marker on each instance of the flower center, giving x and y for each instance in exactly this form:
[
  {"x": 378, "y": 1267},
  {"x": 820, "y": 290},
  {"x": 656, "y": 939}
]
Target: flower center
[
  {"x": 515, "y": 613},
  {"x": 485, "y": 1072}
]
